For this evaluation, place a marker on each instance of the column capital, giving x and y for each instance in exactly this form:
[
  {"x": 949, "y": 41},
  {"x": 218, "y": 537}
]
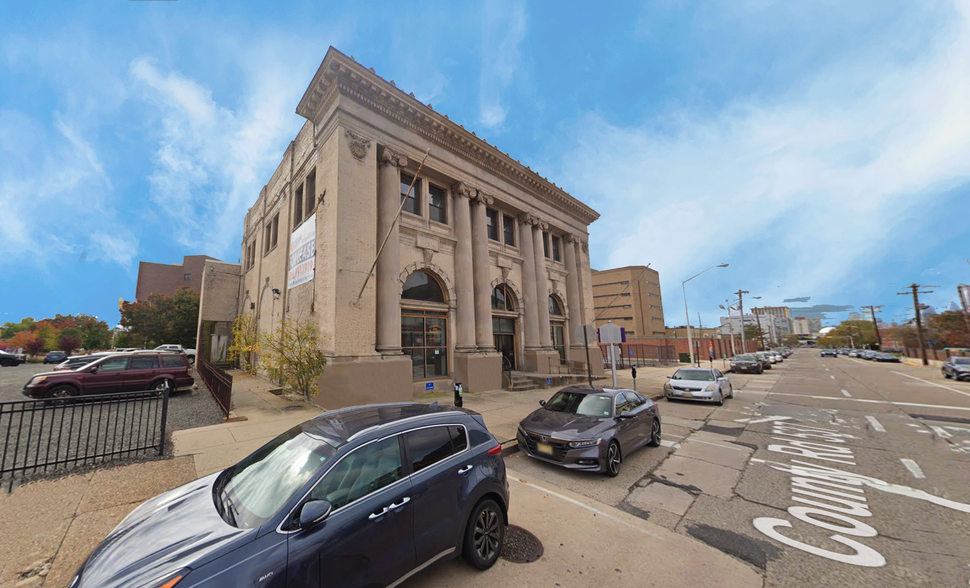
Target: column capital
[
  {"x": 585, "y": 245},
  {"x": 390, "y": 157},
  {"x": 464, "y": 190},
  {"x": 570, "y": 238},
  {"x": 527, "y": 218},
  {"x": 484, "y": 198}
]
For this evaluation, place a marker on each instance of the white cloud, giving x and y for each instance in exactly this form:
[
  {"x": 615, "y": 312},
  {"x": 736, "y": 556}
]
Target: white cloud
[
  {"x": 503, "y": 28},
  {"x": 820, "y": 179}
]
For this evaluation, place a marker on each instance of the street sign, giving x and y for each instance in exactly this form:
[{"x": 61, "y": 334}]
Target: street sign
[
  {"x": 429, "y": 386},
  {"x": 590, "y": 333},
  {"x": 610, "y": 333}
]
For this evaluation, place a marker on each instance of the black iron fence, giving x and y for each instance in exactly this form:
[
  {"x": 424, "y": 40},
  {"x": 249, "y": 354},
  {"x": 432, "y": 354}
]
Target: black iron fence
[
  {"x": 637, "y": 354},
  {"x": 218, "y": 381},
  {"x": 41, "y": 436}
]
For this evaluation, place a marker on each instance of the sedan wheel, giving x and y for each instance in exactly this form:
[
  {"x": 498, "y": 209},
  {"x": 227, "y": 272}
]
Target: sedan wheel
[
  {"x": 485, "y": 535},
  {"x": 720, "y": 398},
  {"x": 946, "y": 375},
  {"x": 655, "y": 434},
  {"x": 613, "y": 459}
]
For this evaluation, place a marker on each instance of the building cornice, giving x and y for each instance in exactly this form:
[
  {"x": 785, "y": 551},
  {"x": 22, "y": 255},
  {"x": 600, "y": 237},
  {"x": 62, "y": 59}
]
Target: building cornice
[{"x": 341, "y": 74}]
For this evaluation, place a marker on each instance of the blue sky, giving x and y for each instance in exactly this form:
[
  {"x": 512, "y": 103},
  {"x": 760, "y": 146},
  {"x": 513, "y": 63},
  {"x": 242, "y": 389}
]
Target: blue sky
[{"x": 822, "y": 150}]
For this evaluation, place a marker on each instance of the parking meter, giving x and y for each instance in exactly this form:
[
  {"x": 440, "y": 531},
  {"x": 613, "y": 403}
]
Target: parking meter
[
  {"x": 633, "y": 370},
  {"x": 458, "y": 392}
]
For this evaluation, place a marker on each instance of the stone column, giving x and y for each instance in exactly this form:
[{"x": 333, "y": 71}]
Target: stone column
[
  {"x": 542, "y": 285},
  {"x": 572, "y": 291},
  {"x": 464, "y": 273},
  {"x": 531, "y": 316},
  {"x": 483, "y": 286},
  {"x": 389, "y": 263}
]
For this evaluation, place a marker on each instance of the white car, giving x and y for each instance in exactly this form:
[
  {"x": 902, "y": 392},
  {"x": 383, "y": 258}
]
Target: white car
[
  {"x": 190, "y": 353},
  {"x": 698, "y": 384}
]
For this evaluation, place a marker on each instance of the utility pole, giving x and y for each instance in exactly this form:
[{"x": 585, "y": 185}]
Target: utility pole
[
  {"x": 919, "y": 322},
  {"x": 741, "y": 293},
  {"x": 875, "y": 325}
]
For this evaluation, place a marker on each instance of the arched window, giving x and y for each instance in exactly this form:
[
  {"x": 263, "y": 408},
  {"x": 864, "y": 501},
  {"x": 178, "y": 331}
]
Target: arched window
[
  {"x": 424, "y": 327},
  {"x": 502, "y": 299},
  {"x": 421, "y": 286},
  {"x": 557, "y": 326}
]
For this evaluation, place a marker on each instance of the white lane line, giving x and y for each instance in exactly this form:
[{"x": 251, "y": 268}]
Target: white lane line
[
  {"x": 585, "y": 506},
  {"x": 857, "y": 360},
  {"x": 846, "y": 393},
  {"x": 916, "y": 404},
  {"x": 941, "y": 431},
  {"x": 826, "y": 369},
  {"x": 668, "y": 443},
  {"x": 913, "y": 468},
  {"x": 934, "y": 384},
  {"x": 876, "y": 425},
  {"x": 831, "y": 376},
  {"x": 692, "y": 440}
]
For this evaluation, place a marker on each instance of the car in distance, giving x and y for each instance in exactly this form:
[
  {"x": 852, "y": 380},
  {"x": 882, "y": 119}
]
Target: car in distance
[
  {"x": 885, "y": 357},
  {"x": 8, "y": 359},
  {"x": 55, "y": 356},
  {"x": 746, "y": 363},
  {"x": 765, "y": 362},
  {"x": 587, "y": 428},
  {"x": 190, "y": 353},
  {"x": 364, "y": 496},
  {"x": 117, "y": 372},
  {"x": 828, "y": 353},
  {"x": 76, "y": 361},
  {"x": 957, "y": 367},
  {"x": 698, "y": 384}
]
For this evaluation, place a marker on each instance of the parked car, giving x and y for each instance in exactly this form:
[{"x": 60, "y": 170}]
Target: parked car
[
  {"x": 76, "y": 361},
  {"x": 55, "y": 356},
  {"x": 957, "y": 367},
  {"x": 118, "y": 372},
  {"x": 699, "y": 384},
  {"x": 746, "y": 363},
  {"x": 885, "y": 357},
  {"x": 190, "y": 353},
  {"x": 765, "y": 362},
  {"x": 365, "y": 496},
  {"x": 9, "y": 359},
  {"x": 867, "y": 354},
  {"x": 828, "y": 353},
  {"x": 587, "y": 428}
]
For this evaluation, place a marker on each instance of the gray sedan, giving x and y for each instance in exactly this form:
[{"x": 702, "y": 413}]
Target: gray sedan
[
  {"x": 586, "y": 428},
  {"x": 699, "y": 384},
  {"x": 957, "y": 367}
]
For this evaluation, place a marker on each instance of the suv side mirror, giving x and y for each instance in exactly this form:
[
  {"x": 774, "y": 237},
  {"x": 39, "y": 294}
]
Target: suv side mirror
[
  {"x": 313, "y": 512},
  {"x": 669, "y": 377},
  {"x": 94, "y": 368},
  {"x": 542, "y": 403}
]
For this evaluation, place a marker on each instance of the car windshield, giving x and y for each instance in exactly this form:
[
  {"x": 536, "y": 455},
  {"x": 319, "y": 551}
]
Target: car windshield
[
  {"x": 256, "y": 488},
  {"x": 961, "y": 361},
  {"x": 745, "y": 358},
  {"x": 579, "y": 403},
  {"x": 704, "y": 375}
]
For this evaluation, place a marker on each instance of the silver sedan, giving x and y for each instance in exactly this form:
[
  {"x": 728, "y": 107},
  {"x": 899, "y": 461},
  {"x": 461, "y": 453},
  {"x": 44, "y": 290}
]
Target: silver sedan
[{"x": 698, "y": 384}]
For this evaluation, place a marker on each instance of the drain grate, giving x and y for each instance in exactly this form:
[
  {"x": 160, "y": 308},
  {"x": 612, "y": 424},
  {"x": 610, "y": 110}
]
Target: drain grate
[{"x": 521, "y": 546}]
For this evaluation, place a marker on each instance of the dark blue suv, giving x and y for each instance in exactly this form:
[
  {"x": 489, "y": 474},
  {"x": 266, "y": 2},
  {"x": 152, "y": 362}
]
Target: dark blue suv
[{"x": 365, "y": 496}]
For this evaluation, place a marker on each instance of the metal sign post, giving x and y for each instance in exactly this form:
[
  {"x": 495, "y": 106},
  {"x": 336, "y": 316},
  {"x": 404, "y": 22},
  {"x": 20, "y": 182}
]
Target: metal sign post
[
  {"x": 588, "y": 333},
  {"x": 612, "y": 334}
]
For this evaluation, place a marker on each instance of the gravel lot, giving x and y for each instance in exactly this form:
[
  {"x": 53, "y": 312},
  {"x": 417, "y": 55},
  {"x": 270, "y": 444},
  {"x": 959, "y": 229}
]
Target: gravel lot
[{"x": 186, "y": 409}]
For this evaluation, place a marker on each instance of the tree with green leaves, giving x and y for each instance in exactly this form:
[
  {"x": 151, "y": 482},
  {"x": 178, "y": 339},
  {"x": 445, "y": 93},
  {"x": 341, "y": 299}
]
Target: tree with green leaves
[
  {"x": 163, "y": 319},
  {"x": 291, "y": 354},
  {"x": 754, "y": 333}
]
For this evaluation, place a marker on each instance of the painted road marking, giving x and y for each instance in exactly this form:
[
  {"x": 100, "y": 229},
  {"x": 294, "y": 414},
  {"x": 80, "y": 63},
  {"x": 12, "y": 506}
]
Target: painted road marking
[
  {"x": 941, "y": 431},
  {"x": 916, "y": 404},
  {"x": 764, "y": 420},
  {"x": 913, "y": 468},
  {"x": 667, "y": 443},
  {"x": 876, "y": 425},
  {"x": 846, "y": 393},
  {"x": 831, "y": 376},
  {"x": 934, "y": 384}
]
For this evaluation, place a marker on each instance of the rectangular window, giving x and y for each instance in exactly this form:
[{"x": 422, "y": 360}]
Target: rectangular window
[
  {"x": 311, "y": 193},
  {"x": 508, "y": 230},
  {"x": 555, "y": 249},
  {"x": 173, "y": 361},
  {"x": 186, "y": 277},
  {"x": 427, "y": 447},
  {"x": 298, "y": 206},
  {"x": 276, "y": 230},
  {"x": 436, "y": 204},
  {"x": 410, "y": 201},
  {"x": 143, "y": 363},
  {"x": 267, "y": 237},
  {"x": 545, "y": 244},
  {"x": 491, "y": 221}
]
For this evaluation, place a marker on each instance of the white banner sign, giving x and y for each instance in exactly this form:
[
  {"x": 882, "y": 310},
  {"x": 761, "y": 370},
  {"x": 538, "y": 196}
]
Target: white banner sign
[{"x": 303, "y": 250}]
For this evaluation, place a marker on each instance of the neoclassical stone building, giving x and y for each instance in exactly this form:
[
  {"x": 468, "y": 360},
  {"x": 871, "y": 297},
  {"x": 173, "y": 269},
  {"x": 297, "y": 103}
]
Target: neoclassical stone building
[{"x": 487, "y": 267}]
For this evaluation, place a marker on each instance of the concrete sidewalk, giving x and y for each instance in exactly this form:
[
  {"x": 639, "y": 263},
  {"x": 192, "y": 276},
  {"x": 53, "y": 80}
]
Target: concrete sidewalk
[
  {"x": 257, "y": 416},
  {"x": 48, "y": 528}
]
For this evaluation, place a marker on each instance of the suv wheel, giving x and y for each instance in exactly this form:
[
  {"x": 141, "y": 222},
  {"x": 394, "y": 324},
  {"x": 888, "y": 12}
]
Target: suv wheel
[
  {"x": 484, "y": 535},
  {"x": 62, "y": 392}
]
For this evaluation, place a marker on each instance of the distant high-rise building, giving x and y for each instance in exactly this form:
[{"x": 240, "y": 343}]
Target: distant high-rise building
[
  {"x": 807, "y": 326},
  {"x": 162, "y": 278},
  {"x": 630, "y": 297}
]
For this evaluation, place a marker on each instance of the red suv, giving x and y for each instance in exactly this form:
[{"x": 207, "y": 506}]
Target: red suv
[{"x": 118, "y": 372}]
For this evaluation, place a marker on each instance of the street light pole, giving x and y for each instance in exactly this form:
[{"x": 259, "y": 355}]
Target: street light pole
[{"x": 690, "y": 340}]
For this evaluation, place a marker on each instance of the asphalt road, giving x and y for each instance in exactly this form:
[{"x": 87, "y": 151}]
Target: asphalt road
[{"x": 821, "y": 472}]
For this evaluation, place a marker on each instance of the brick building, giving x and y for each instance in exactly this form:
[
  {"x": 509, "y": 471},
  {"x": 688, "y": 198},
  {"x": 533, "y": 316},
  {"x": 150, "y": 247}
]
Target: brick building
[
  {"x": 488, "y": 265},
  {"x": 630, "y": 297},
  {"x": 161, "y": 278}
]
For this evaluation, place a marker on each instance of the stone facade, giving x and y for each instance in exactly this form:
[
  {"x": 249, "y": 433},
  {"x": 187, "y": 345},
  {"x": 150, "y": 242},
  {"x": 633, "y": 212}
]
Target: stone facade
[{"x": 479, "y": 221}]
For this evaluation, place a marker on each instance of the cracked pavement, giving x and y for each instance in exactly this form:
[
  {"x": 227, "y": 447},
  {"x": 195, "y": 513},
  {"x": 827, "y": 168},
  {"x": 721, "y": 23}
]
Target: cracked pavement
[{"x": 856, "y": 473}]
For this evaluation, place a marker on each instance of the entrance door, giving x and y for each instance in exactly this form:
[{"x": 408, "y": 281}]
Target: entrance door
[{"x": 503, "y": 330}]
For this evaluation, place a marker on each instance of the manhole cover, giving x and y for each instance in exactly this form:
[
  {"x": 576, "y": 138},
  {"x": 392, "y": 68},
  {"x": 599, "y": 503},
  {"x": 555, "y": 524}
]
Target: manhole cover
[{"x": 521, "y": 546}]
